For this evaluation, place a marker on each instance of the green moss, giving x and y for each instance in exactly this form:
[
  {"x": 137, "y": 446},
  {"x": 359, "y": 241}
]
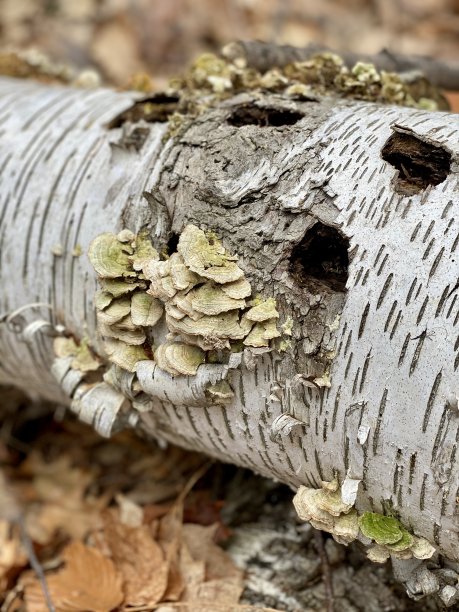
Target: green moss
[
  {"x": 382, "y": 529},
  {"x": 404, "y": 543}
]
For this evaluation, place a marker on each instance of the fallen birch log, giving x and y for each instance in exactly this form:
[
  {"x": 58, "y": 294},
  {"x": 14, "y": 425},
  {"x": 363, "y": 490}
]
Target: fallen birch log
[{"x": 296, "y": 311}]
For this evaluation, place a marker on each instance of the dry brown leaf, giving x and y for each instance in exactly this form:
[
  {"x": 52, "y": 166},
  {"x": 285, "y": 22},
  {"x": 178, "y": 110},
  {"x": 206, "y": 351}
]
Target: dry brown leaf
[
  {"x": 224, "y": 590},
  {"x": 131, "y": 514},
  {"x": 89, "y": 582},
  {"x": 139, "y": 559},
  {"x": 200, "y": 542},
  {"x": 11, "y": 552},
  {"x": 58, "y": 492},
  {"x": 44, "y": 521},
  {"x": 56, "y": 479},
  {"x": 175, "y": 583},
  {"x": 193, "y": 573}
]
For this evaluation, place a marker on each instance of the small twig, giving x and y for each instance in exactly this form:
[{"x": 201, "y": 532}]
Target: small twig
[
  {"x": 326, "y": 569},
  {"x": 11, "y": 512},
  {"x": 35, "y": 563}
]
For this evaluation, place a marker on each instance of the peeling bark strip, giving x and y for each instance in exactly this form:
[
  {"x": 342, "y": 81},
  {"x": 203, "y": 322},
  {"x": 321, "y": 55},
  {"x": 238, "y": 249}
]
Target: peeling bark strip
[{"x": 364, "y": 276}]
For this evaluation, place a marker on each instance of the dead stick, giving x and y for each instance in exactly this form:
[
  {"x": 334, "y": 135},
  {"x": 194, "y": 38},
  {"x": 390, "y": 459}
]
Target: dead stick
[
  {"x": 326, "y": 569},
  {"x": 11, "y": 512},
  {"x": 263, "y": 56}
]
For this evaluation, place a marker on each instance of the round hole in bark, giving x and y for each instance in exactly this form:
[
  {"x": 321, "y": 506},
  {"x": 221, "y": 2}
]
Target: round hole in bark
[
  {"x": 419, "y": 163},
  {"x": 321, "y": 256},
  {"x": 249, "y": 114}
]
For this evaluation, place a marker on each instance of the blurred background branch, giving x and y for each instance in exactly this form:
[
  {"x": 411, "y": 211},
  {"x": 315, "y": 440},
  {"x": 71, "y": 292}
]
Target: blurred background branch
[{"x": 121, "y": 38}]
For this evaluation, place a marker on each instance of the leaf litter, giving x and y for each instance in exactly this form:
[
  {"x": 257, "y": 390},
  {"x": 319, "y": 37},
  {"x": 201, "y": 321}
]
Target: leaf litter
[
  {"x": 127, "y": 525},
  {"x": 115, "y": 524}
]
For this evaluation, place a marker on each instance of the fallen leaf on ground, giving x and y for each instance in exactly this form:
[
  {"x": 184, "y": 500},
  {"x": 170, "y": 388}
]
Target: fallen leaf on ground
[
  {"x": 12, "y": 554},
  {"x": 89, "y": 582},
  {"x": 139, "y": 559}
]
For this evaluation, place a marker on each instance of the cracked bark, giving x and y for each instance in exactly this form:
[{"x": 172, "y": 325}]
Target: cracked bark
[{"x": 281, "y": 182}]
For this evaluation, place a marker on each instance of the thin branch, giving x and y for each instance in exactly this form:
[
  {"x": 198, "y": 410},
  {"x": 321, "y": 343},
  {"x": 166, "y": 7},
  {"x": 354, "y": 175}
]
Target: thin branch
[
  {"x": 35, "y": 563},
  {"x": 11, "y": 512},
  {"x": 326, "y": 569},
  {"x": 263, "y": 56}
]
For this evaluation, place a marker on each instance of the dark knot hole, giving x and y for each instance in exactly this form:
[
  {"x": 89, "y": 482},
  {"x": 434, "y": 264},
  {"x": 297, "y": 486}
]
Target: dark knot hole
[{"x": 321, "y": 257}]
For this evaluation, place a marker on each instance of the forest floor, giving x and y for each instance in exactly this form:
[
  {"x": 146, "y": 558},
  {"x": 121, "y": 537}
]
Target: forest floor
[{"x": 123, "y": 524}]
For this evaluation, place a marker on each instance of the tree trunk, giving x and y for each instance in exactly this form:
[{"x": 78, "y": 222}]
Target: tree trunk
[{"x": 344, "y": 212}]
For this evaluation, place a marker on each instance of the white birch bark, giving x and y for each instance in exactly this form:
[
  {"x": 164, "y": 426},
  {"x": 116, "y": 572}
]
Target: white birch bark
[{"x": 390, "y": 416}]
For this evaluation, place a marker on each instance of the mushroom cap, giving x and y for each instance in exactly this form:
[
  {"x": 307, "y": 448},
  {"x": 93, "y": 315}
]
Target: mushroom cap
[
  {"x": 102, "y": 299},
  {"x": 330, "y": 485},
  {"x": 405, "y": 542},
  {"x": 422, "y": 548},
  {"x": 154, "y": 269},
  {"x": 183, "y": 301},
  {"x": 116, "y": 311},
  {"x": 207, "y": 344},
  {"x": 238, "y": 290},
  {"x": 64, "y": 347},
  {"x": 209, "y": 299},
  {"x": 85, "y": 360},
  {"x": 162, "y": 288},
  {"x": 378, "y": 554},
  {"x": 223, "y": 274},
  {"x": 346, "y": 527},
  {"x": 262, "y": 333},
  {"x": 144, "y": 251},
  {"x": 183, "y": 358},
  {"x": 331, "y": 502},
  {"x": 146, "y": 310},
  {"x": 224, "y": 326},
  {"x": 173, "y": 311},
  {"x": 110, "y": 257},
  {"x": 182, "y": 277},
  {"x": 206, "y": 256},
  {"x": 305, "y": 502},
  {"x": 125, "y": 236},
  {"x": 117, "y": 287},
  {"x": 220, "y": 392},
  {"x": 162, "y": 362},
  {"x": 124, "y": 355},
  {"x": 126, "y": 331},
  {"x": 382, "y": 529},
  {"x": 263, "y": 311}
]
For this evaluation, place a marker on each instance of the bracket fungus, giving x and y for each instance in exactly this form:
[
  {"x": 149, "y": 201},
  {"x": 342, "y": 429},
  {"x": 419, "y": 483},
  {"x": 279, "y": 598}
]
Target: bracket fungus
[
  {"x": 110, "y": 256},
  {"x": 206, "y": 256},
  {"x": 83, "y": 359},
  {"x": 179, "y": 358},
  {"x": 392, "y": 539},
  {"x": 203, "y": 294},
  {"x": 325, "y": 509}
]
